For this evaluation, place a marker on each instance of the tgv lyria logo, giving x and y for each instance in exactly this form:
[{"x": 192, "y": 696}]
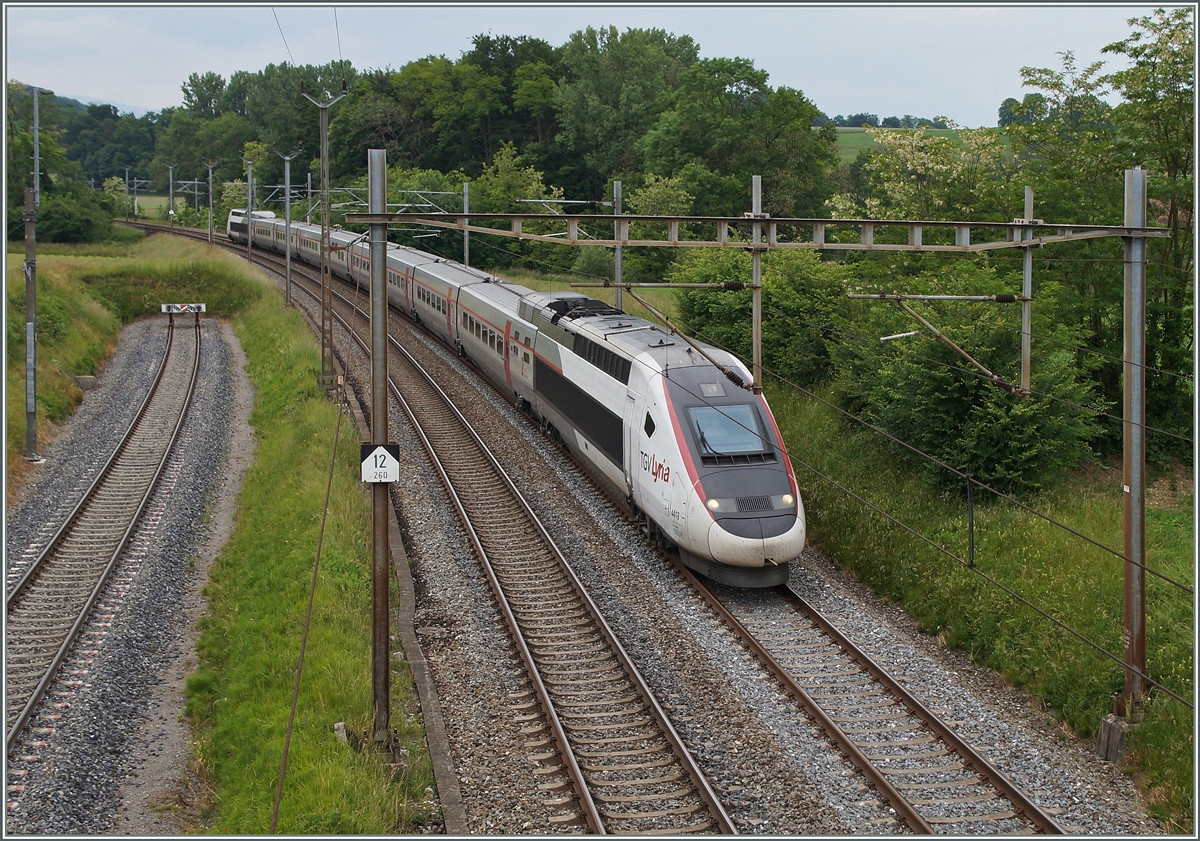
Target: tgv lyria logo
[{"x": 659, "y": 471}]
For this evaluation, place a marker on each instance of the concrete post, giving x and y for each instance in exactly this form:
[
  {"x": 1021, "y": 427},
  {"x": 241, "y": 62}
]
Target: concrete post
[
  {"x": 617, "y": 273},
  {"x": 30, "y": 218},
  {"x": 381, "y": 554},
  {"x": 1027, "y": 293},
  {"x": 1134, "y": 473},
  {"x": 756, "y": 282}
]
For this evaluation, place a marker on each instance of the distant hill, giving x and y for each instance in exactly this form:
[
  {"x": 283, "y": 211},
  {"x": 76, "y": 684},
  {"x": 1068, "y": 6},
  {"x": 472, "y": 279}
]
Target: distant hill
[{"x": 75, "y": 101}]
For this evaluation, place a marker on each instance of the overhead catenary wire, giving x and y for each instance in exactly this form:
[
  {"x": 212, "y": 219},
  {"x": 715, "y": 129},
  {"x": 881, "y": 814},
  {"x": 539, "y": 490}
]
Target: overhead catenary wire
[
  {"x": 899, "y": 348},
  {"x": 1116, "y": 553},
  {"x": 1000, "y": 494},
  {"x": 1009, "y": 591},
  {"x": 970, "y": 566},
  {"x": 287, "y": 738},
  {"x": 337, "y": 29},
  {"x": 1186, "y": 377},
  {"x": 1012, "y": 593},
  {"x": 281, "y": 35}
]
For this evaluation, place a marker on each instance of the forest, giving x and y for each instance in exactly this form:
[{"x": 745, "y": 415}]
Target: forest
[{"x": 521, "y": 119}]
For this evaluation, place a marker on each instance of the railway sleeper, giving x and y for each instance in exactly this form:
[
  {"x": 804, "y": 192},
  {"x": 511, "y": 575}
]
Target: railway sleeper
[
  {"x": 676, "y": 794},
  {"x": 668, "y": 778},
  {"x": 650, "y": 736},
  {"x": 664, "y": 813},
  {"x": 995, "y": 816}
]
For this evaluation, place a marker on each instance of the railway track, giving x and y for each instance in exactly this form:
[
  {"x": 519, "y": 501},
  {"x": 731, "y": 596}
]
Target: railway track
[
  {"x": 47, "y": 602},
  {"x": 932, "y": 778},
  {"x": 610, "y": 758},
  {"x": 935, "y": 782}
]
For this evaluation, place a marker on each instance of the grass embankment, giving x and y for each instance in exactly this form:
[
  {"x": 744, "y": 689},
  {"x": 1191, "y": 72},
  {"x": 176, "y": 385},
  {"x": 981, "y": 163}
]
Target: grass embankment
[
  {"x": 238, "y": 700},
  {"x": 1077, "y": 583},
  {"x": 84, "y": 295},
  {"x": 257, "y": 591}
]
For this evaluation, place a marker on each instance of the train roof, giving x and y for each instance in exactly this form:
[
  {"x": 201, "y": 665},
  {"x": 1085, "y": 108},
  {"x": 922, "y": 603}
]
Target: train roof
[{"x": 631, "y": 335}]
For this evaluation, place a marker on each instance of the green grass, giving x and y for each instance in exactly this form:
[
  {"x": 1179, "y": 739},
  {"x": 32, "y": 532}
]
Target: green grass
[
  {"x": 1079, "y": 584},
  {"x": 238, "y": 700},
  {"x": 85, "y": 294},
  {"x": 75, "y": 336},
  {"x": 257, "y": 591}
]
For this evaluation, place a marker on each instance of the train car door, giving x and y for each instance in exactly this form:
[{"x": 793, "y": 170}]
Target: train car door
[
  {"x": 630, "y": 424},
  {"x": 678, "y": 507}
]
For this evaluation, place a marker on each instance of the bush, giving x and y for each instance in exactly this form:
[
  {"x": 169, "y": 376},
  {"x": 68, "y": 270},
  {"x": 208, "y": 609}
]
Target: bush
[
  {"x": 801, "y": 297},
  {"x": 73, "y": 218},
  {"x": 926, "y": 394},
  {"x": 596, "y": 261}
]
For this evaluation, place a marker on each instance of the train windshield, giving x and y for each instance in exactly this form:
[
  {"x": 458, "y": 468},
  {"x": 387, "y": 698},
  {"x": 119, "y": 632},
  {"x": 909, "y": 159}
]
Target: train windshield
[{"x": 726, "y": 430}]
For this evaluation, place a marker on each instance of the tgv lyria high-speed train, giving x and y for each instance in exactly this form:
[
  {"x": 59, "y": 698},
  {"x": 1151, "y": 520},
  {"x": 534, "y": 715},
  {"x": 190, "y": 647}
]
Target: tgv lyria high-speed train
[{"x": 697, "y": 456}]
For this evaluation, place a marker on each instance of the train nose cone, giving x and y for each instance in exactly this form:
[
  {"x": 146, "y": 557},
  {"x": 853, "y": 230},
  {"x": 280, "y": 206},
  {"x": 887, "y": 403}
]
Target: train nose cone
[{"x": 749, "y": 542}]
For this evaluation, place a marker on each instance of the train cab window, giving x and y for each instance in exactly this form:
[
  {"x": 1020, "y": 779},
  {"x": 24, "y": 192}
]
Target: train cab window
[
  {"x": 726, "y": 430},
  {"x": 649, "y": 426}
]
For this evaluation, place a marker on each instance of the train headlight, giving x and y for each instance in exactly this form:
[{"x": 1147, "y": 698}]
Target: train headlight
[
  {"x": 714, "y": 505},
  {"x": 783, "y": 501}
]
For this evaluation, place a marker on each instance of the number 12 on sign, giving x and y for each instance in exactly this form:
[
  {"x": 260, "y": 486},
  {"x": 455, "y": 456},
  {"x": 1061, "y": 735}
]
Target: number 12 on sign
[{"x": 380, "y": 463}]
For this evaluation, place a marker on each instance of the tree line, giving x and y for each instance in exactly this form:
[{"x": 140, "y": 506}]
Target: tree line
[{"x": 522, "y": 119}]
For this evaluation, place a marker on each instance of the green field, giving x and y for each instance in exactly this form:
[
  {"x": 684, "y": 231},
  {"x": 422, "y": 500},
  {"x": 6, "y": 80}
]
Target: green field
[{"x": 851, "y": 141}]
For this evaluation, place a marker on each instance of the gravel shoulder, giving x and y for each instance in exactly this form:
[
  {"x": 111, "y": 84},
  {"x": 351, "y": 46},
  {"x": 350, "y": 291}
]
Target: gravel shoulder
[{"x": 119, "y": 759}]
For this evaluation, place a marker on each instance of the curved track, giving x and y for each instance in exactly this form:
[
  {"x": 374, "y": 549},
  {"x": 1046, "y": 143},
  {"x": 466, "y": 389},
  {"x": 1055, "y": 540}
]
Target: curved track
[
  {"x": 933, "y": 780},
  {"x": 48, "y": 604},
  {"x": 611, "y": 758}
]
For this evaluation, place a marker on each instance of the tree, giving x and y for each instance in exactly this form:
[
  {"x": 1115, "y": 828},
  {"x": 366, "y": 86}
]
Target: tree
[
  {"x": 374, "y": 117},
  {"x": 613, "y": 87},
  {"x": 863, "y": 119},
  {"x": 1157, "y": 126},
  {"x": 727, "y": 119},
  {"x": 202, "y": 94},
  {"x": 533, "y": 94},
  {"x": 917, "y": 175},
  {"x": 527, "y": 69},
  {"x": 802, "y": 296},
  {"x": 921, "y": 391},
  {"x": 656, "y": 196}
]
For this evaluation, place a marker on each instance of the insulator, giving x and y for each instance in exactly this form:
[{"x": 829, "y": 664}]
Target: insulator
[{"x": 1006, "y": 298}]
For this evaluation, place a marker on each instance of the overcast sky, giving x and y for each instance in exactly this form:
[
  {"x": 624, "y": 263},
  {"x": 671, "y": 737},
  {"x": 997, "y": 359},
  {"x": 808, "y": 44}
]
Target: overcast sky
[{"x": 957, "y": 61}]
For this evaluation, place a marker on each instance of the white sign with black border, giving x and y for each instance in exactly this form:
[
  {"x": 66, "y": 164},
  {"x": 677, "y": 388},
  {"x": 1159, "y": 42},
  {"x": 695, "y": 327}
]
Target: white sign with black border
[
  {"x": 380, "y": 463},
  {"x": 183, "y": 308}
]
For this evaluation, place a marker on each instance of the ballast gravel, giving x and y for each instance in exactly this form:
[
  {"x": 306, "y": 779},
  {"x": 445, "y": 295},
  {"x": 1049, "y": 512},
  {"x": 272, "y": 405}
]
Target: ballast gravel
[
  {"x": 774, "y": 771},
  {"x": 118, "y": 752}
]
